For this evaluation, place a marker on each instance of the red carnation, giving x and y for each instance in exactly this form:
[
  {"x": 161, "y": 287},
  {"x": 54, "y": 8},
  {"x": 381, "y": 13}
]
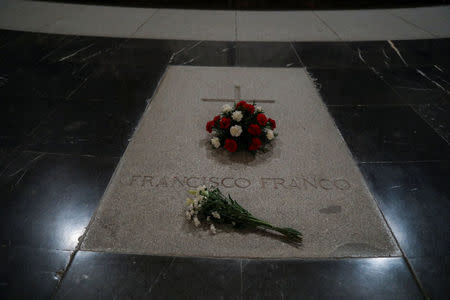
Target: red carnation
[
  {"x": 209, "y": 126},
  {"x": 262, "y": 119},
  {"x": 254, "y": 129},
  {"x": 216, "y": 118},
  {"x": 256, "y": 143},
  {"x": 250, "y": 108},
  {"x": 230, "y": 145},
  {"x": 225, "y": 123},
  {"x": 241, "y": 103},
  {"x": 273, "y": 124}
]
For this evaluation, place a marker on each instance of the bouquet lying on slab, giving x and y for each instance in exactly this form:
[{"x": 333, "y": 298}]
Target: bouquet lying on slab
[
  {"x": 242, "y": 126},
  {"x": 210, "y": 206}
]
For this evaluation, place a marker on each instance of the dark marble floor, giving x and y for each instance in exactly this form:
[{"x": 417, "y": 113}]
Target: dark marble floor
[{"x": 69, "y": 104}]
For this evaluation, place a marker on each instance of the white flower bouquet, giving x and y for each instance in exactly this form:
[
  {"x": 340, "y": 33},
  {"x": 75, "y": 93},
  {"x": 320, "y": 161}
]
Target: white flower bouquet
[{"x": 210, "y": 206}]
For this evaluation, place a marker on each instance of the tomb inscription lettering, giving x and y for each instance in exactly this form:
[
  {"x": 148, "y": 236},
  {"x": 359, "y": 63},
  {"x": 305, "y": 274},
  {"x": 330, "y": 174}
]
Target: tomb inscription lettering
[{"x": 183, "y": 182}]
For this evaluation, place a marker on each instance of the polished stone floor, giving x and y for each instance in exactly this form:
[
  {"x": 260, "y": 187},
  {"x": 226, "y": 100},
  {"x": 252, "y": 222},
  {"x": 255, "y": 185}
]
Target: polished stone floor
[
  {"x": 69, "y": 105},
  {"x": 264, "y": 4},
  {"x": 233, "y": 24}
]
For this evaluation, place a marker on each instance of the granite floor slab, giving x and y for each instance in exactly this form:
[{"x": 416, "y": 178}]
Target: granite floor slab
[
  {"x": 196, "y": 25},
  {"x": 268, "y": 26},
  {"x": 98, "y": 21},
  {"x": 308, "y": 181},
  {"x": 373, "y": 24},
  {"x": 434, "y": 20},
  {"x": 228, "y": 25}
]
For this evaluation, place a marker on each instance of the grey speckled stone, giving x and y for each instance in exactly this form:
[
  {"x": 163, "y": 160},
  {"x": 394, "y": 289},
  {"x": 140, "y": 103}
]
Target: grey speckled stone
[{"x": 308, "y": 181}]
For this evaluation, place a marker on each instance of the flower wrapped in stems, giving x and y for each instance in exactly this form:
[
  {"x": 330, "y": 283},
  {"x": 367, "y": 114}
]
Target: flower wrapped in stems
[{"x": 213, "y": 207}]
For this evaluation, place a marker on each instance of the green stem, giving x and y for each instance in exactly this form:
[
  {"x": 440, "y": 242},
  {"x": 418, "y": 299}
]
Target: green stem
[
  {"x": 288, "y": 232},
  {"x": 227, "y": 206}
]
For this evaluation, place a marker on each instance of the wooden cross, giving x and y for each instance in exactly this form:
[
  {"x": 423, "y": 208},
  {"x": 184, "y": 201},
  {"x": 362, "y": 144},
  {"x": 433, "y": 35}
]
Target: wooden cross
[{"x": 237, "y": 98}]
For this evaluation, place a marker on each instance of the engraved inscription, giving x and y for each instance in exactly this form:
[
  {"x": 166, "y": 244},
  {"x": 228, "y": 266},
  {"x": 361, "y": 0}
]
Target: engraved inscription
[{"x": 301, "y": 183}]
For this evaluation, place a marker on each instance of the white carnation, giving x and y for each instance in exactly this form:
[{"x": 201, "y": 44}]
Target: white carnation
[
  {"x": 258, "y": 109},
  {"x": 237, "y": 116},
  {"x": 269, "y": 134},
  {"x": 213, "y": 229},
  {"x": 196, "y": 222},
  {"x": 236, "y": 130},
  {"x": 226, "y": 108},
  {"x": 215, "y": 142},
  {"x": 200, "y": 188}
]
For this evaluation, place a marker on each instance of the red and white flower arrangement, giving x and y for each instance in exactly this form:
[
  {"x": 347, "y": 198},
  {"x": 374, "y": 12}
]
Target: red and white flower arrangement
[{"x": 242, "y": 127}]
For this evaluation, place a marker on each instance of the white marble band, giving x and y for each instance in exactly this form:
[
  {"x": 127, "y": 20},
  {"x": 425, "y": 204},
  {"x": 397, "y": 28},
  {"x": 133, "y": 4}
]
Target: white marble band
[{"x": 347, "y": 25}]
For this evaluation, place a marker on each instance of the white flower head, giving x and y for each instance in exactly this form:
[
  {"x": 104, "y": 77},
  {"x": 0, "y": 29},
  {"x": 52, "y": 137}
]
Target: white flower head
[
  {"x": 196, "y": 222},
  {"x": 258, "y": 109},
  {"x": 201, "y": 188},
  {"x": 215, "y": 214},
  {"x": 215, "y": 142},
  {"x": 237, "y": 116},
  {"x": 236, "y": 130},
  {"x": 269, "y": 134},
  {"x": 213, "y": 229},
  {"x": 226, "y": 108}
]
